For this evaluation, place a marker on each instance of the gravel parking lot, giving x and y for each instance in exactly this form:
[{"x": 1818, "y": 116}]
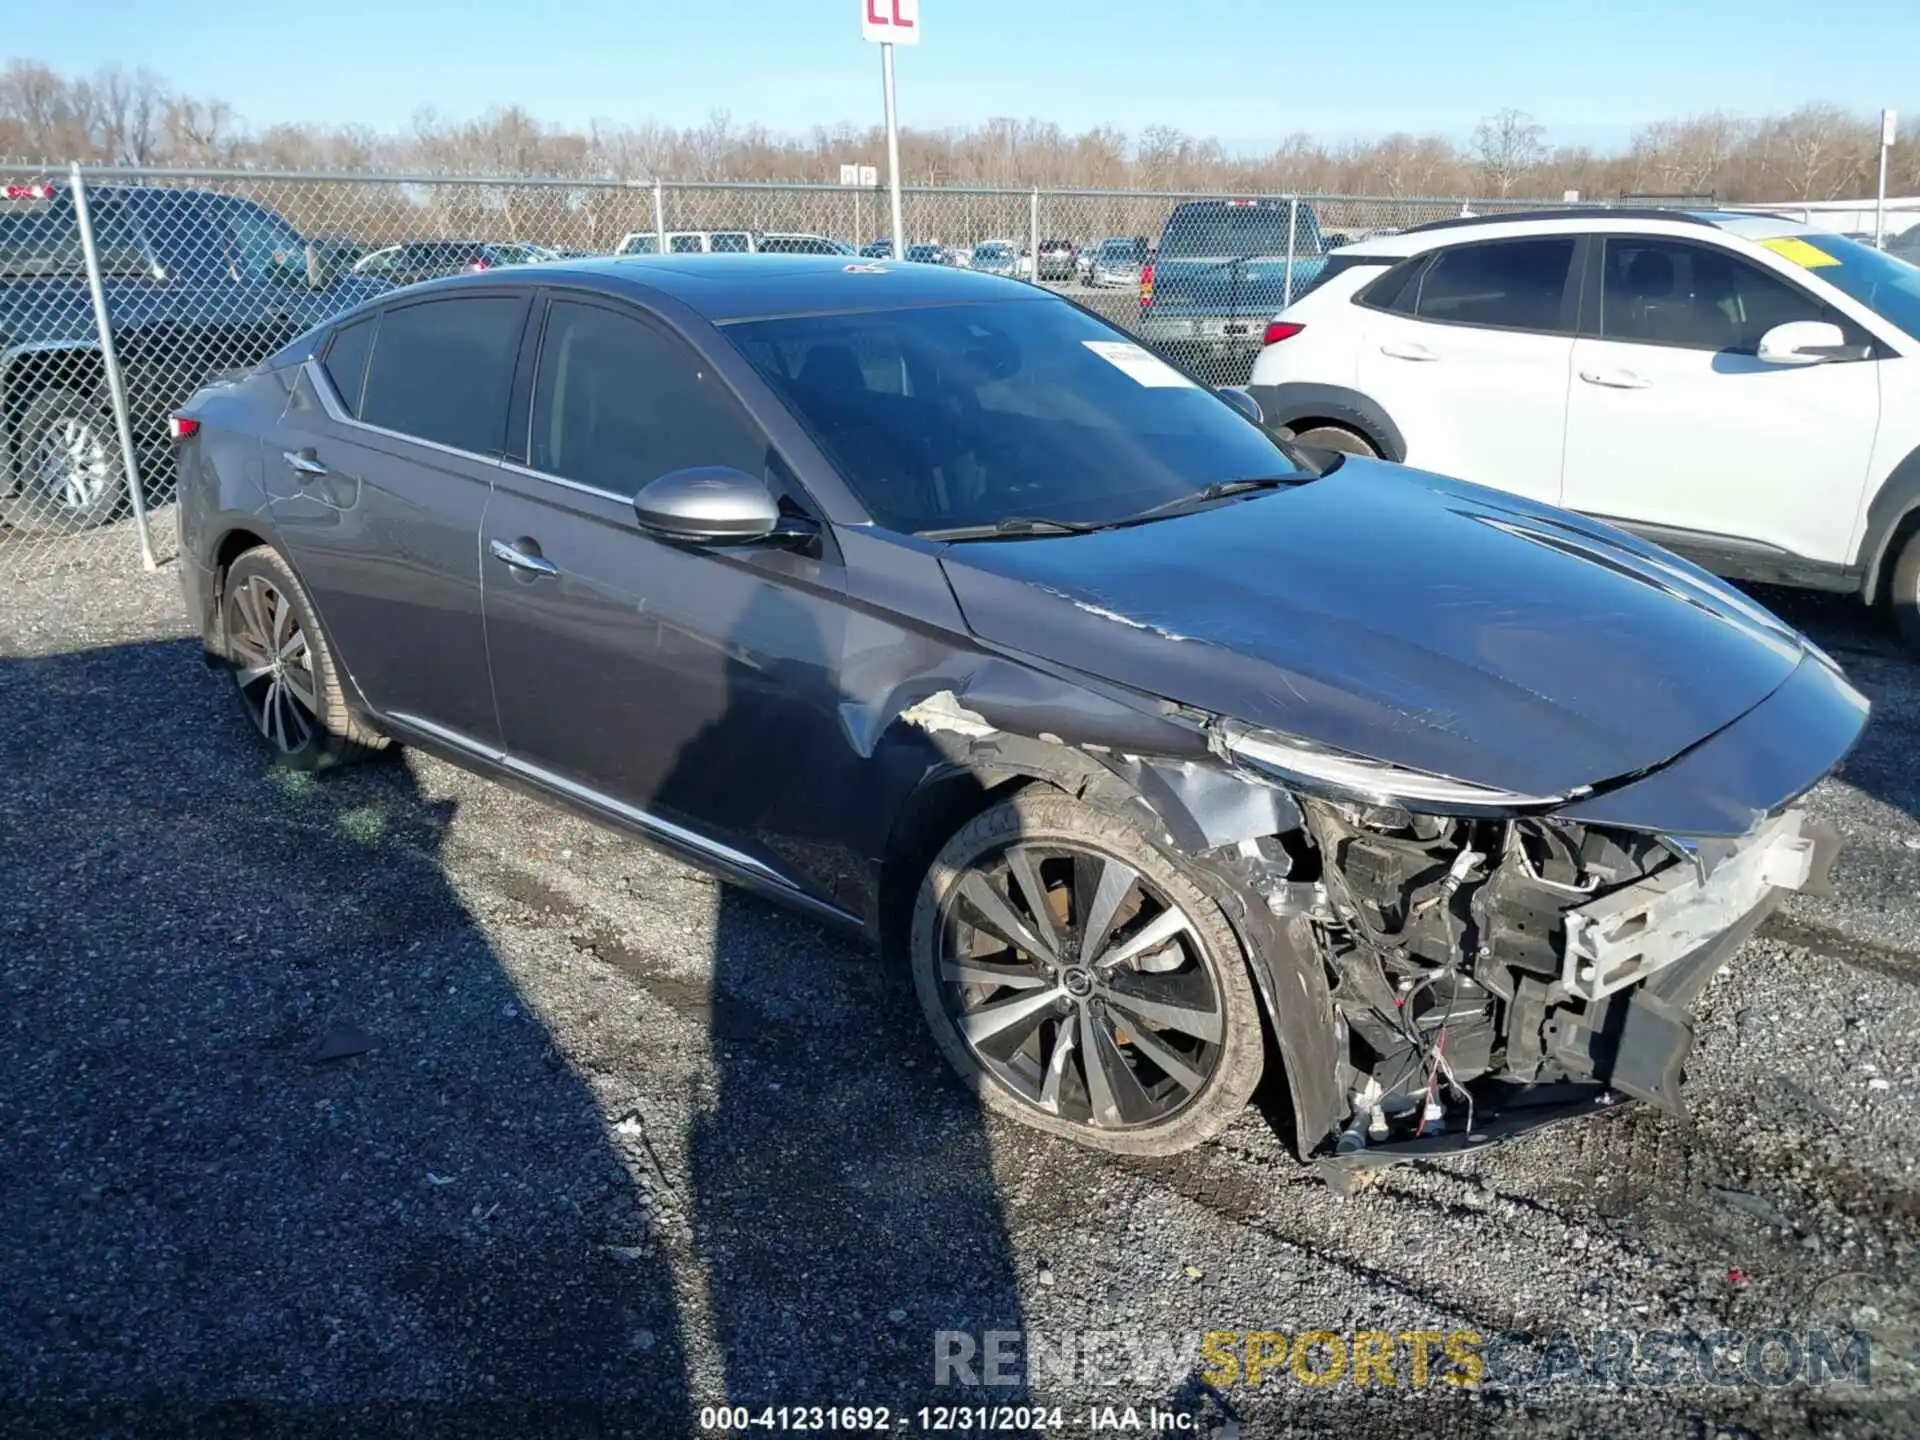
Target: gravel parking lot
[{"x": 398, "y": 1098}]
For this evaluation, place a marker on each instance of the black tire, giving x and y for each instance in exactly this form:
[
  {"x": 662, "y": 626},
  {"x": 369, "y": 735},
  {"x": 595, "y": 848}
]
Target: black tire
[
  {"x": 1903, "y": 592},
  {"x": 1184, "y": 1074},
  {"x": 68, "y": 471},
  {"x": 283, "y": 669},
  {"x": 1336, "y": 437}
]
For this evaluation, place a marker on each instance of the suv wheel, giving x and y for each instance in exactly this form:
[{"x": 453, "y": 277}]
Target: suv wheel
[
  {"x": 282, "y": 668},
  {"x": 69, "y": 471},
  {"x": 1081, "y": 982},
  {"x": 1903, "y": 592}
]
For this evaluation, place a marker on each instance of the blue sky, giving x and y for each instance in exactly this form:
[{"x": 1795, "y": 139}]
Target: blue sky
[{"x": 1247, "y": 72}]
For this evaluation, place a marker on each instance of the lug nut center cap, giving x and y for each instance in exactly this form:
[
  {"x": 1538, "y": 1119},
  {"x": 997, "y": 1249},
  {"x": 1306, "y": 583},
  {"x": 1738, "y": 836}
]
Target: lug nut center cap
[{"x": 1078, "y": 982}]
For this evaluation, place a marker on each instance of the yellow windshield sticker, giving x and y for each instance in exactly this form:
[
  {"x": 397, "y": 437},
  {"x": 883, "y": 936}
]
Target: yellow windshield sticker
[{"x": 1792, "y": 247}]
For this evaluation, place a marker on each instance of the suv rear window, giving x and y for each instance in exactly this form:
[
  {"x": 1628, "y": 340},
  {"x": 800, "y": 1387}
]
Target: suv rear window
[
  {"x": 442, "y": 368},
  {"x": 42, "y": 237},
  {"x": 1217, "y": 229},
  {"x": 1502, "y": 284}
]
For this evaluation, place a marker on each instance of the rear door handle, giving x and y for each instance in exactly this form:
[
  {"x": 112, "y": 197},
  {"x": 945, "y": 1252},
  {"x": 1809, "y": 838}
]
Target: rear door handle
[
  {"x": 1409, "y": 351},
  {"x": 520, "y": 560},
  {"x": 304, "y": 463},
  {"x": 1616, "y": 379}
]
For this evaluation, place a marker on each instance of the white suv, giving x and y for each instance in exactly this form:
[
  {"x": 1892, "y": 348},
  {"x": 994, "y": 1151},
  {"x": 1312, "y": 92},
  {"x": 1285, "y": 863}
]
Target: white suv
[{"x": 1739, "y": 388}]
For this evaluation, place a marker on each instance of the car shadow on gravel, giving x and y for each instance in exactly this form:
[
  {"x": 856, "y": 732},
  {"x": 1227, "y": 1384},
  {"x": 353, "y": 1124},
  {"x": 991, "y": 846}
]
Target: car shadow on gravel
[
  {"x": 845, "y": 1204},
  {"x": 280, "y": 1142}
]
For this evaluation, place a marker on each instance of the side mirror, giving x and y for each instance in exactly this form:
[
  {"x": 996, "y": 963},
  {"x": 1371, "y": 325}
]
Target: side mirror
[
  {"x": 706, "y": 504},
  {"x": 1242, "y": 400},
  {"x": 1805, "y": 342}
]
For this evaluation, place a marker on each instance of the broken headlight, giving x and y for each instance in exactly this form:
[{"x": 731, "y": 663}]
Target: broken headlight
[{"x": 1318, "y": 769}]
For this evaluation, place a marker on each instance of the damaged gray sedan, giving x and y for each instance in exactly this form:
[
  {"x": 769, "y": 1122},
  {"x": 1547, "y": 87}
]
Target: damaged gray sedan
[{"x": 1162, "y": 753}]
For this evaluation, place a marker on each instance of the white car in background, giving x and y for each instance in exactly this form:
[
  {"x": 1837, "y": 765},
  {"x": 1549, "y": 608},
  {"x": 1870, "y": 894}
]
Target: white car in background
[
  {"x": 690, "y": 242},
  {"x": 1738, "y": 388}
]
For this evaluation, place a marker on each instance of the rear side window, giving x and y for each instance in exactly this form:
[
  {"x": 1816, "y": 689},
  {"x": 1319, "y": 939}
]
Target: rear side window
[
  {"x": 1502, "y": 284},
  {"x": 1339, "y": 265},
  {"x": 346, "y": 361},
  {"x": 43, "y": 238},
  {"x": 684, "y": 244},
  {"x": 1669, "y": 292},
  {"x": 442, "y": 369},
  {"x": 616, "y": 404}
]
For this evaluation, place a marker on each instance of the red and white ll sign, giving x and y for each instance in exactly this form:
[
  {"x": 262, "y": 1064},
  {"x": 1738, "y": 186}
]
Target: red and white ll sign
[{"x": 890, "y": 22}]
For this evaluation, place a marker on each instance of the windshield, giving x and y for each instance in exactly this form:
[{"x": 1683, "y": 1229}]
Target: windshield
[
  {"x": 1123, "y": 252},
  {"x": 993, "y": 252},
  {"x": 1886, "y": 285},
  {"x": 1214, "y": 229},
  {"x": 969, "y": 415}
]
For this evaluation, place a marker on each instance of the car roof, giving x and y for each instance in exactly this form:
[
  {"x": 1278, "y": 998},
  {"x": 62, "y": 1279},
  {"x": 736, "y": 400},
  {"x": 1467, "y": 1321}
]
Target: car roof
[
  {"x": 725, "y": 288},
  {"x": 1749, "y": 224}
]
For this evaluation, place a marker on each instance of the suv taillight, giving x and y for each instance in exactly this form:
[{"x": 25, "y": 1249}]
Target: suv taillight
[
  {"x": 42, "y": 191},
  {"x": 1146, "y": 286},
  {"x": 1278, "y": 330},
  {"x": 182, "y": 427}
]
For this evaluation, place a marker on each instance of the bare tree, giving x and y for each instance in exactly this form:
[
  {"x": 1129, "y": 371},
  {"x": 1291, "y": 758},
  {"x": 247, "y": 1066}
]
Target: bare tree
[{"x": 1508, "y": 143}]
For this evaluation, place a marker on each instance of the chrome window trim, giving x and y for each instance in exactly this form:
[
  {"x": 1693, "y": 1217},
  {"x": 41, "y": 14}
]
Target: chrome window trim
[
  {"x": 578, "y": 486},
  {"x": 330, "y": 402},
  {"x": 641, "y": 820}
]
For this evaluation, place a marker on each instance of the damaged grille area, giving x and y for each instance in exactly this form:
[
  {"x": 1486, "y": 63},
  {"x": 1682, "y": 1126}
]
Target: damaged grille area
[{"x": 1519, "y": 953}]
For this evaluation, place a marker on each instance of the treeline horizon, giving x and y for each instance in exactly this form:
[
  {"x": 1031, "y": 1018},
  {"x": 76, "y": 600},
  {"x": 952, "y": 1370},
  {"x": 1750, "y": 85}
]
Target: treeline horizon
[{"x": 116, "y": 116}]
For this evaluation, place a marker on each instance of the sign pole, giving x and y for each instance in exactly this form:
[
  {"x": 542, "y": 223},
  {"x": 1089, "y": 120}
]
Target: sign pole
[
  {"x": 893, "y": 150},
  {"x": 1887, "y": 124}
]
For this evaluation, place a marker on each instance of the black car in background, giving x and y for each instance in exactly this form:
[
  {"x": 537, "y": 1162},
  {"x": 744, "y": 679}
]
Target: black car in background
[
  {"x": 930, "y": 254},
  {"x": 930, "y": 603},
  {"x": 195, "y": 282}
]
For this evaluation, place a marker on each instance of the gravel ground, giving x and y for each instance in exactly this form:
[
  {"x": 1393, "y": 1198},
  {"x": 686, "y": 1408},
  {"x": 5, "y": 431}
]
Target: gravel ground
[{"x": 399, "y": 1098}]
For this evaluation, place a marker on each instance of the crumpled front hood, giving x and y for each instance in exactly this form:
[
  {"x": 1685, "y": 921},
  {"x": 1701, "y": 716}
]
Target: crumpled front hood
[{"x": 1400, "y": 616}]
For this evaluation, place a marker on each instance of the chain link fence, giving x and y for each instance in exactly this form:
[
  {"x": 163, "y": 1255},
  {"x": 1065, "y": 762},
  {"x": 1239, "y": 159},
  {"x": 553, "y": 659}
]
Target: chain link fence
[{"x": 124, "y": 291}]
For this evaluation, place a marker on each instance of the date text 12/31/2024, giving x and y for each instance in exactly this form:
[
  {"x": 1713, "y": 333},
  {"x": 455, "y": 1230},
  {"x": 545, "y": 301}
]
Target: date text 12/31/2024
[{"x": 947, "y": 1419}]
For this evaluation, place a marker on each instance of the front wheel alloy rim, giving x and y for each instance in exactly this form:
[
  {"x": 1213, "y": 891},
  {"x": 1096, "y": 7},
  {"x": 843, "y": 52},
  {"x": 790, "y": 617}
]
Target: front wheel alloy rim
[
  {"x": 273, "y": 664},
  {"x": 72, "y": 464},
  {"x": 1079, "y": 985}
]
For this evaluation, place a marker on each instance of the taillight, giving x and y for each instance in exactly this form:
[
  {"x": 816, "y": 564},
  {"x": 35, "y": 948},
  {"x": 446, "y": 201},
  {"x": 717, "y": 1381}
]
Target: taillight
[
  {"x": 477, "y": 266},
  {"x": 1146, "y": 285},
  {"x": 1278, "y": 330},
  {"x": 41, "y": 191},
  {"x": 182, "y": 427}
]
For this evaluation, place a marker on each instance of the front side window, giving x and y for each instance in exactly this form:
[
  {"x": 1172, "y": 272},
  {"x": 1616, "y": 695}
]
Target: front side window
[
  {"x": 1656, "y": 291},
  {"x": 1505, "y": 284},
  {"x": 618, "y": 403},
  {"x": 442, "y": 369},
  {"x": 261, "y": 246},
  {"x": 968, "y": 415},
  {"x": 684, "y": 244},
  {"x": 640, "y": 245},
  {"x": 731, "y": 242},
  {"x": 346, "y": 360}
]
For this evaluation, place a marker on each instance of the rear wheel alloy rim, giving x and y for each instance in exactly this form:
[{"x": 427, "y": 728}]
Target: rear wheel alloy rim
[
  {"x": 273, "y": 664},
  {"x": 72, "y": 464},
  {"x": 1079, "y": 985}
]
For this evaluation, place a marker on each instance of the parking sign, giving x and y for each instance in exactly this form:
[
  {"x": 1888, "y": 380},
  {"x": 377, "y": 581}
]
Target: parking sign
[{"x": 890, "y": 22}]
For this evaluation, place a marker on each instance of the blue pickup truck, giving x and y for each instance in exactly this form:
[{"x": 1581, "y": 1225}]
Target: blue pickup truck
[
  {"x": 1219, "y": 275},
  {"x": 196, "y": 283}
]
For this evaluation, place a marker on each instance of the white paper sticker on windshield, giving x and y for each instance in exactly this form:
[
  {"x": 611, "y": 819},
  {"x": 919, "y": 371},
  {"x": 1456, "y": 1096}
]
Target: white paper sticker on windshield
[{"x": 1138, "y": 365}]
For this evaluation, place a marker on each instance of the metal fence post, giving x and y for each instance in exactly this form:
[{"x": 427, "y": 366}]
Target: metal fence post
[
  {"x": 1293, "y": 229},
  {"x": 110, "y": 362},
  {"x": 1033, "y": 230},
  {"x": 659, "y": 218}
]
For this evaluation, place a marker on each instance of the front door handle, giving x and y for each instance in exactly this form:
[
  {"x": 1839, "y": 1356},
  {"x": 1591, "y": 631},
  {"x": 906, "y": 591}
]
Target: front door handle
[
  {"x": 1409, "y": 350},
  {"x": 520, "y": 559},
  {"x": 304, "y": 463},
  {"x": 1615, "y": 379}
]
